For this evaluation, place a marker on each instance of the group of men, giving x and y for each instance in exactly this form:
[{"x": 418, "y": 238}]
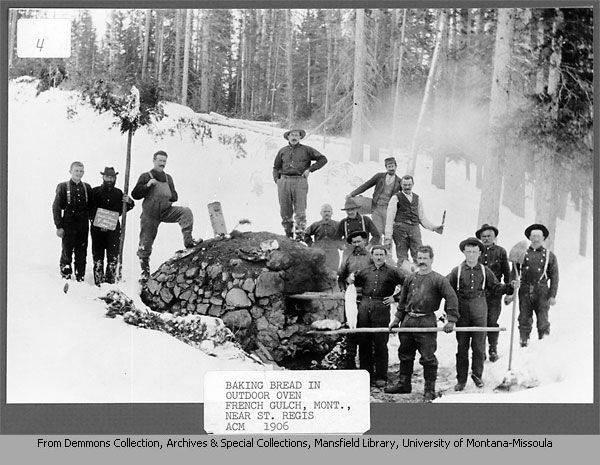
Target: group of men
[
  {"x": 472, "y": 291},
  {"x": 77, "y": 207}
]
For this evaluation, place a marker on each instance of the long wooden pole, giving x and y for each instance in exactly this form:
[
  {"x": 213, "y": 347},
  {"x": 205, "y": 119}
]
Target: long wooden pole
[
  {"x": 461, "y": 329},
  {"x": 124, "y": 211}
]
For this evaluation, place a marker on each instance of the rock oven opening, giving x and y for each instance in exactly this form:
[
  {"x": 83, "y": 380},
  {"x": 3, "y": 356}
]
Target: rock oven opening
[{"x": 247, "y": 280}]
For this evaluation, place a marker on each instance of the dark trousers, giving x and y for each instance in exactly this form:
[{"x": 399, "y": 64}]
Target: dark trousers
[
  {"x": 292, "y": 192},
  {"x": 372, "y": 348},
  {"x": 425, "y": 343},
  {"x": 406, "y": 237},
  {"x": 74, "y": 243},
  {"x": 533, "y": 298},
  {"x": 149, "y": 226},
  {"x": 473, "y": 312},
  {"x": 494, "y": 307},
  {"x": 105, "y": 243}
]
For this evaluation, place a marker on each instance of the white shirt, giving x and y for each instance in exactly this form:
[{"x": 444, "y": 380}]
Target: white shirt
[{"x": 393, "y": 207}]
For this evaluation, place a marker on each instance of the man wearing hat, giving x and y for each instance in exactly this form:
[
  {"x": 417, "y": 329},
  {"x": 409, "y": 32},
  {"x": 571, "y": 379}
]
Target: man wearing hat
[
  {"x": 471, "y": 281},
  {"x": 354, "y": 221},
  {"x": 71, "y": 211},
  {"x": 158, "y": 191},
  {"x": 104, "y": 240},
  {"x": 385, "y": 184},
  {"x": 539, "y": 284},
  {"x": 355, "y": 261},
  {"x": 495, "y": 258},
  {"x": 378, "y": 282},
  {"x": 291, "y": 169},
  {"x": 405, "y": 213}
]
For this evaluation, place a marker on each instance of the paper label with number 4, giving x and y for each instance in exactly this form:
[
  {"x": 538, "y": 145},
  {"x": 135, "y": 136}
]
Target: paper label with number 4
[{"x": 43, "y": 38}]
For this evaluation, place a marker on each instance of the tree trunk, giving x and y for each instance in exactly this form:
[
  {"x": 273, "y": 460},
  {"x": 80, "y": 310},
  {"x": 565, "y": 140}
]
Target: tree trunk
[
  {"x": 583, "y": 227},
  {"x": 489, "y": 206},
  {"x": 329, "y": 70},
  {"x": 186, "y": 56},
  {"x": 356, "y": 148},
  {"x": 11, "y": 35},
  {"x": 441, "y": 28},
  {"x": 160, "y": 30},
  {"x": 439, "y": 99},
  {"x": 205, "y": 90},
  {"x": 146, "y": 44},
  {"x": 513, "y": 196},
  {"x": 244, "y": 58},
  {"x": 289, "y": 91},
  {"x": 176, "y": 67},
  {"x": 268, "y": 83},
  {"x": 396, "y": 113}
]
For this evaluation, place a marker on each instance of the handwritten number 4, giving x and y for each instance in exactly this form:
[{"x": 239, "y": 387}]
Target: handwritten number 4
[{"x": 40, "y": 44}]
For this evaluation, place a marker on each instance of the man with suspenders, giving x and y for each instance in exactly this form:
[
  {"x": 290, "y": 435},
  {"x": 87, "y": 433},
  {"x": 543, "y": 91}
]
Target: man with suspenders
[
  {"x": 353, "y": 222},
  {"x": 71, "y": 211},
  {"x": 158, "y": 191},
  {"x": 471, "y": 280},
  {"x": 535, "y": 294}
]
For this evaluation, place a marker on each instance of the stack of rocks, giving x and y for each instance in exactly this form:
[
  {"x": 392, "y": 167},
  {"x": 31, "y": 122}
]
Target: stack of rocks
[{"x": 247, "y": 283}]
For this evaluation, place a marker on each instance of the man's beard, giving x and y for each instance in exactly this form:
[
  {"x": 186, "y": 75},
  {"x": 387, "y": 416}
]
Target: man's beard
[{"x": 109, "y": 184}]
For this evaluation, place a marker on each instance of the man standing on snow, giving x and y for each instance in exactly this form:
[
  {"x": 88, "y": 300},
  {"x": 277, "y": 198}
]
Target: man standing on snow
[
  {"x": 378, "y": 282},
  {"x": 495, "y": 258},
  {"x": 325, "y": 233},
  {"x": 158, "y": 191},
  {"x": 71, "y": 211},
  {"x": 471, "y": 280},
  {"x": 535, "y": 294},
  {"x": 386, "y": 185},
  {"x": 420, "y": 298},
  {"x": 404, "y": 215},
  {"x": 104, "y": 240},
  {"x": 292, "y": 166},
  {"x": 358, "y": 260}
]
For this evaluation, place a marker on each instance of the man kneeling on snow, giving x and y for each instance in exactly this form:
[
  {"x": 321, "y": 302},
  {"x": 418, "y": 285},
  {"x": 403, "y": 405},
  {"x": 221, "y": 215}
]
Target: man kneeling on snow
[{"x": 158, "y": 191}]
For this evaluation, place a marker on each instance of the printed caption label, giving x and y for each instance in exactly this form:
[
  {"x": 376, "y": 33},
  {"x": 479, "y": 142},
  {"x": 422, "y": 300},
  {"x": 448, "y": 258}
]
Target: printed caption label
[
  {"x": 43, "y": 38},
  {"x": 286, "y": 402}
]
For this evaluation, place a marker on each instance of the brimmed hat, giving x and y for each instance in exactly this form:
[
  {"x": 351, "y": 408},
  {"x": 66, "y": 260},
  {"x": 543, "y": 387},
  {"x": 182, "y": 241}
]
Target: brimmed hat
[
  {"x": 301, "y": 131},
  {"x": 108, "y": 171},
  {"x": 390, "y": 160},
  {"x": 350, "y": 204},
  {"x": 471, "y": 241},
  {"x": 353, "y": 234},
  {"x": 541, "y": 227},
  {"x": 485, "y": 227}
]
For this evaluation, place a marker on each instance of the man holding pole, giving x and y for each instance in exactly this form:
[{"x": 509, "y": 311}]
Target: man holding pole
[
  {"x": 158, "y": 191},
  {"x": 420, "y": 298},
  {"x": 106, "y": 230},
  {"x": 495, "y": 258},
  {"x": 471, "y": 280}
]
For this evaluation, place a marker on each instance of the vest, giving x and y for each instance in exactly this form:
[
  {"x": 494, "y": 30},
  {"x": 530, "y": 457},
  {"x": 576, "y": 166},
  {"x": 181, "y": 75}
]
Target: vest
[
  {"x": 407, "y": 212},
  {"x": 386, "y": 193}
]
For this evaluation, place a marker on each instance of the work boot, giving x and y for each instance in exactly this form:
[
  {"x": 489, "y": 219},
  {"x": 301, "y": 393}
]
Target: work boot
[
  {"x": 98, "y": 272},
  {"x": 493, "y": 354},
  {"x": 477, "y": 380},
  {"x": 404, "y": 385},
  {"x": 460, "y": 386},
  {"x": 66, "y": 271},
  {"x": 430, "y": 375},
  {"x": 145, "y": 264},
  {"x": 111, "y": 272},
  {"x": 524, "y": 341},
  {"x": 543, "y": 334},
  {"x": 188, "y": 240}
]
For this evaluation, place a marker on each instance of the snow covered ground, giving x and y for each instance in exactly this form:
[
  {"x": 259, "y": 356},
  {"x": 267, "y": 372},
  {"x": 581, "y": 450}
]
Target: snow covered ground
[{"x": 61, "y": 348}]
